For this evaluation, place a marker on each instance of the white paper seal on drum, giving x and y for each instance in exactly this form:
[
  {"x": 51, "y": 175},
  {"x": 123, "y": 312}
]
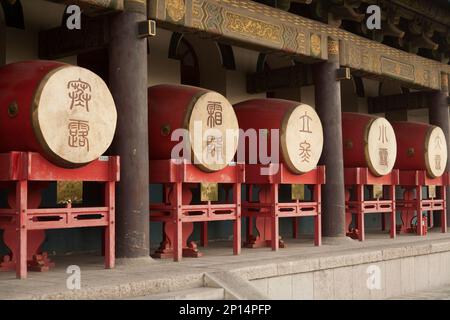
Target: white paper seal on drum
[
  {"x": 301, "y": 139},
  {"x": 436, "y": 152},
  {"x": 380, "y": 147},
  {"x": 213, "y": 131},
  {"x": 74, "y": 115}
]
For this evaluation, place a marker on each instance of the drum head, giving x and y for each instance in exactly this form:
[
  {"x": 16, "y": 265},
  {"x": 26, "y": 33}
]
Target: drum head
[
  {"x": 380, "y": 147},
  {"x": 301, "y": 139},
  {"x": 213, "y": 132},
  {"x": 435, "y": 152},
  {"x": 74, "y": 116}
]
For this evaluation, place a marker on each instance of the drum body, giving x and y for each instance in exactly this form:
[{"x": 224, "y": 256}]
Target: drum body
[
  {"x": 300, "y": 132},
  {"x": 202, "y": 120},
  {"x": 421, "y": 147},
  {"x": 64, "y": 112},
  {"x": 368, "y": 141}
]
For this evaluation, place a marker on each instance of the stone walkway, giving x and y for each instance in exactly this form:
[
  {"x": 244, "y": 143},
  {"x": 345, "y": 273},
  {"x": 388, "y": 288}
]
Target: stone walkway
[
  {"x": 154, "y": 277},
  {"x": 436, "y": 294}
]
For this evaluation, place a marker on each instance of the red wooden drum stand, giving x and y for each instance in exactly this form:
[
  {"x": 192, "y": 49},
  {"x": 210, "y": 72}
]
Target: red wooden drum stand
[
  {"x": 355, "y": 180},
  {"x": 178, "y": 214},
  {"x": 268, "y": 209},
  {"x": 413, "y": 181},
  {"x": 24, "y": 224}
]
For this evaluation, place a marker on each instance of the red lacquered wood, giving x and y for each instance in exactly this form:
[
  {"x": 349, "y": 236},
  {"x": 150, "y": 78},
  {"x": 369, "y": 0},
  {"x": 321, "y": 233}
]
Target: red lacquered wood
[
  {"x": 24, "y": 224},
  {"x": 168, "y": 105},
  {"x": 171, "y": 107},
  {"x": 22, "y": 99},
  {"x": 354, "y": 176},
  {"x": 355, "y": 130},
  {"x": 410, "y": 135},
  {"x": 413, "y": 200},
  {"x": 170, "y": 171},
  {"x": 32, "y": 166},
  {"x": 18, "y": 82},
  {"x": 420, "y": 178},
  {"x": 355, "y": 180},
  {"x": 178, "y": 215},
  {"x": 282, "y": 175},
  {"x": 269, "y": 114},
  {"x": 268, "y": 209},
  {"x": 412, "y": 144}
]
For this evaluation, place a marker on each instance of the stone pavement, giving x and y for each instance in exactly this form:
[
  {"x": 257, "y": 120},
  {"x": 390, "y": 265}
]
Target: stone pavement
[
  {"x": 435, "y": 294},
  {"x": 159, "y": 276}
]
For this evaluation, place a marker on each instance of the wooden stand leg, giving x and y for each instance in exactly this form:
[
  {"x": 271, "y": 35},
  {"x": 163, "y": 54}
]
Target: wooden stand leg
[
  {"x": 295, "y": 227},
  {"x": 393, "y": 214},
  {"x": 360, "y": 213},
  {"x": 178, "y": 230},
  {"x": 393, "y": 231},
  {"x": 419, "y": 211},
  {"x": 204, "y": 234},
  {"x": 248, "y": 228},
  {"x": 430, "y": 221},
  {"x": 275, "y": 232},
  {"x": 249, "y": 219},
  {"x": 444, "y": 210},
  {"x": 237, "y": 237},
  {"x": 318, "y": 230},
  {"x": 109, "y": 233},
  {"x": 21, "y": 202},
  {"x": 361, "y": 234},
  {"x": 318, "y": 218},
  {"x": 237, "y": 223}
]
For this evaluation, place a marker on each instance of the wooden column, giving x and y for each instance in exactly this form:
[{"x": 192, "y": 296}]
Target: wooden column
[
  {"x": 128, "y": 84},
  {"x": 328, "y": 106},
  {"x": 439, "y": 116}
]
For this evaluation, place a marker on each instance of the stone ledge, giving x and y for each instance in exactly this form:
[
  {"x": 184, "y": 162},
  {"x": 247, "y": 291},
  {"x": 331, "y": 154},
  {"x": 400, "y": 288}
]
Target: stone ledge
[
  {"x": 362, "y": 256},
  {"x": 126, "y": 290},
  {"x": 236, "y": 288}
]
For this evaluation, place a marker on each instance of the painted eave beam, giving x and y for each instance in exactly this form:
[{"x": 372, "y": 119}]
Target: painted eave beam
[{"x": 255, "y": 26}]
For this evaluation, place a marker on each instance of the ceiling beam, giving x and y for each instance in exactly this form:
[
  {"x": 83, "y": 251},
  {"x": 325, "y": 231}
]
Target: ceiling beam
[
  {"x": 95, "y": 7},
  {"x": 397, "y": 102},
  {"x": 288, "y": 77},
  {"x": 61, "y": 42}
]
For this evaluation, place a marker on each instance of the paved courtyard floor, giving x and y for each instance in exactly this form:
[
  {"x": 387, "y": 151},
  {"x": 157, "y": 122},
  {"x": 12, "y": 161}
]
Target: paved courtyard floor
[
  {"x": 147, "y": 276},
  {"x": 435, "y": 294}
]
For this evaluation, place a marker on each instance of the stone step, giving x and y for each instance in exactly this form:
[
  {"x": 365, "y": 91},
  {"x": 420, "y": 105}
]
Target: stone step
[{"x": 202, "y": 293}]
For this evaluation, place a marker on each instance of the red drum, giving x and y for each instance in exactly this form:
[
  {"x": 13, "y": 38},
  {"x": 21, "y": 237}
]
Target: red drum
[
  {"x": 369, "y": 141},
  {"x": 301, "y": 135},
  {"x": 421, "y": 147},
  {"x": 208, "y": 121},
  {"x": 64, "y": 112}
]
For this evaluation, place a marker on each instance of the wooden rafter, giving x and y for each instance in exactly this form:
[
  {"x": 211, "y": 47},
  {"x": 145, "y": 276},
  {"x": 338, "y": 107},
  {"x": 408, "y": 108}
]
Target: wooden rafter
[
  {"x": 397, "y": 102},
  {"x": 94, "y": 7},
  {"x": 61, "y": 42},
  {"x": 282, "y": 78}
]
